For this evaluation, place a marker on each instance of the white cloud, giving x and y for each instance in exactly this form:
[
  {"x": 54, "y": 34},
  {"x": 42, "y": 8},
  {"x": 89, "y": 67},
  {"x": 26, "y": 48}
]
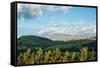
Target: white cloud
[
  {"x": 89, "y": 29},
  {"x": 59, "y": 29},
  {"x": 50, "y": 30},
  {"x": 65, "y": 8},
  {"x": 51, "y": 8},
  {"x": 54, "y": 8},
  {"x": 73, "y": 29},
  {"x": 26, "y": 11}
]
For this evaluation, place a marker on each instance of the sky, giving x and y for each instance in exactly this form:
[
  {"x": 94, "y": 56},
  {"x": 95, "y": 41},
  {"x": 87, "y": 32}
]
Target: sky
[{"x": 33, "y": 19}]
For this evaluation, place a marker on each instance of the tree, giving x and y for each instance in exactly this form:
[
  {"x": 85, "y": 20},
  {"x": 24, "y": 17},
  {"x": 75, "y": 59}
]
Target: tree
[
  {"x": 32, "y": 59},
  {"x": 92, "y": 55},
  {"x": 65, "y": 57},
  {"x": 39, "y": 56},
  {"x": 73, "y": 56},
  {"x": 84, "y": 54},
  {"x": 47, "y": 56},
  {"x": 20, "y": 59},
  {"x": 55, "y": 55}
]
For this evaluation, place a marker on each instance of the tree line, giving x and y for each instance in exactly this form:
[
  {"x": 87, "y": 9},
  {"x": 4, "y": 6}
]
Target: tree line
[{"x": 41, "y": 56}]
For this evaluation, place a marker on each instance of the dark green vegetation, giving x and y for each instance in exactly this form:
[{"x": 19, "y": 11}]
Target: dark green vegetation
[{"x": 36, "y": 50}]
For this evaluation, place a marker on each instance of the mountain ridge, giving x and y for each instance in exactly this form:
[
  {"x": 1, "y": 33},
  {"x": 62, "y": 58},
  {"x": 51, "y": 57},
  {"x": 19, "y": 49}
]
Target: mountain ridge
[{"x": 34, "y": 42}]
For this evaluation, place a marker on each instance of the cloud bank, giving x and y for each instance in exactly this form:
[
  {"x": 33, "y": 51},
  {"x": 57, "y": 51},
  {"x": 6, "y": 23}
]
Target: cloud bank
[
  {"x": 69, "y": 29},
  {"x": 31, "y": 11},
  {"x": 28, "y": 11}
]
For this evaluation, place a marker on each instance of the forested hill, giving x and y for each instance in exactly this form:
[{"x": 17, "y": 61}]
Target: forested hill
[{"x": 34, "y": 42}]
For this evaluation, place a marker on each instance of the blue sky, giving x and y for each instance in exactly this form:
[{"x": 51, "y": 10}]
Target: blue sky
[{"x": 41, "y": 19}]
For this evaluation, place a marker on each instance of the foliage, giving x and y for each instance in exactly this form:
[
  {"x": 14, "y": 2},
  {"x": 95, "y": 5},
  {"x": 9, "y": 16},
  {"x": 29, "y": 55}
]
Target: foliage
[
  {"x": 84, "y": 54},
  {"x": 54, "y": 56},
  {"x": 34, "y": 42}
]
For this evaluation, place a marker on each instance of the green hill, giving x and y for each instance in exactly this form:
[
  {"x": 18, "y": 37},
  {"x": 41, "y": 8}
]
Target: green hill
[
  {"x": 31, "y": 41},
  {"x": 34, "y": 42}
]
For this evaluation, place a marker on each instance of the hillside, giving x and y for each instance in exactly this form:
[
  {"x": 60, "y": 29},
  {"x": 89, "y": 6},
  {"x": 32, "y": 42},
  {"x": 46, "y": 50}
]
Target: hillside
[
  {"x": 35, "y": 42},
  {"x": 32, "y": 41}
]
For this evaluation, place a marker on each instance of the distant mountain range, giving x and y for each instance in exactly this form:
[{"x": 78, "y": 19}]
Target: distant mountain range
[
  {"x": 34, "y": 42},
  {"x": 64, "y": 37}
]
